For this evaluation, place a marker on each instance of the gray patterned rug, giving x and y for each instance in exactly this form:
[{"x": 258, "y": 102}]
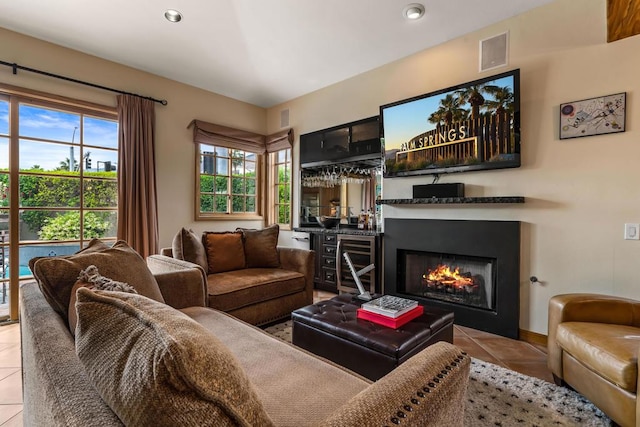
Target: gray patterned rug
[{"x": 501, "y": 397}]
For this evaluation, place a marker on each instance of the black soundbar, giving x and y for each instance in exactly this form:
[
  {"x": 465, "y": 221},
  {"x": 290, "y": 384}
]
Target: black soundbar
[{"x": 438, "y": 190}]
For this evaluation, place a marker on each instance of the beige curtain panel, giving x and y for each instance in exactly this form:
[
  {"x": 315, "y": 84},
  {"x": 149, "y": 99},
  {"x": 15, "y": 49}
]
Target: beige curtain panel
[
  {"x": 137, "y": 199},
  {"x": 224, "y": 136}
]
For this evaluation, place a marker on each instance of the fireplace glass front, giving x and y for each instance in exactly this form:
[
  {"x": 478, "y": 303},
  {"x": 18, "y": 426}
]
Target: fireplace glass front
[{"x": 458, "y": 279}]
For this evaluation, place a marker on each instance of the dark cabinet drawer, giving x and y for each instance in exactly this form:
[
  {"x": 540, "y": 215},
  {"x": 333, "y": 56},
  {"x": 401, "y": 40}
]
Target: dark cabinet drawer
[
  {"x": 329, "y": 275},
  {"x": 330, "y": 238},
  {"x": 325, "y": 246},
  {"x": 329, "y": 261},
  {"x": 329, "y": 250}
]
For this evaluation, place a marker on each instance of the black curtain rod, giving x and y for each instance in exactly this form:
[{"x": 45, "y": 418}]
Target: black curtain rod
[{"x": 17, "y": 67}]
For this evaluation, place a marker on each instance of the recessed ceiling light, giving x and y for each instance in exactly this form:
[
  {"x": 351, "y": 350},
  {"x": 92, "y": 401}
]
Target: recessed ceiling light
[
  {"x": 413, "y": 11},
  {"x": 173, "y": 15}
]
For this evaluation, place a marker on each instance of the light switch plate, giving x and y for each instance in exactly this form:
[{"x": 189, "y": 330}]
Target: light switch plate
[{"x": 632, "y": 231}]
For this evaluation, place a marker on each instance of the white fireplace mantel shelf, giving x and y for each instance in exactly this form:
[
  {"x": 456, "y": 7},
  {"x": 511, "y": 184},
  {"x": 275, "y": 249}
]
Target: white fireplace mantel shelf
[{"x": 452, "y": 200}]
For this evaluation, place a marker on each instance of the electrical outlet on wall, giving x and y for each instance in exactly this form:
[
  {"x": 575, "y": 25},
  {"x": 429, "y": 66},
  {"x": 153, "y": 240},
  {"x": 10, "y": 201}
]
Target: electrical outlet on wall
[{"x": 632, "y": 231}]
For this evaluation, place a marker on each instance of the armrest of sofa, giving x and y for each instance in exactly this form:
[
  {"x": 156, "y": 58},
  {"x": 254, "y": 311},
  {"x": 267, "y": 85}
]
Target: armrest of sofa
[
  {"x": 300, "y": 260},
  {"x": 167, "y": 252},
  {"x": 428, "y": 389},
  {"x": 182, "y": 284},
  {"x": 580, "y": 307}
]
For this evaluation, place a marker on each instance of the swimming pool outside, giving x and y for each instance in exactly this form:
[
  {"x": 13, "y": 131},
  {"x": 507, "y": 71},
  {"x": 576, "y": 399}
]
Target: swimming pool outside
[{"x": 24, "y": 271}]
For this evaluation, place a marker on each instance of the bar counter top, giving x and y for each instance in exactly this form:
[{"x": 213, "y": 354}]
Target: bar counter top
[{"x": 338, "y": 230}]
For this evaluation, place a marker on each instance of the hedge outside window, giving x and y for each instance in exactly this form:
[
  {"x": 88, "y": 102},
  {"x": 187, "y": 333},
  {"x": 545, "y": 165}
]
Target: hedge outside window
[
  {"x": 231, "y": 167},
  {"x": 280, "y": 184},
  {"x": 228, "y": 183},
  {"x": 71, "y": 167}
]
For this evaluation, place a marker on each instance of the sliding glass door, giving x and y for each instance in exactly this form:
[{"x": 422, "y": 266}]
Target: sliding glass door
[
  {"x": 5, "y": 226},
  {"x": 58, "y": 183}
]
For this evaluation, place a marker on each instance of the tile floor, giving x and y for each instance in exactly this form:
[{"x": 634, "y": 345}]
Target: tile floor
[
  {"x": 519, "y": 356},
  {"x": 10, "y": 376}
]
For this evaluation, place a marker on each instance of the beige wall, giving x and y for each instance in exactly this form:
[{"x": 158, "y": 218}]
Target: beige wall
[
  {"x": 579, "y": 192},
  {"x": 175, "y": 151}
]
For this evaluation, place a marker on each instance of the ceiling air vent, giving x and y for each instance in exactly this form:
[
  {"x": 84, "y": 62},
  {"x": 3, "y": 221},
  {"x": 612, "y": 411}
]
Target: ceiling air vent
[{"x": 494, "y": 52}]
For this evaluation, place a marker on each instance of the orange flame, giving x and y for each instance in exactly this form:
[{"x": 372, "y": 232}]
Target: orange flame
[{"x": 444, "y": 275}]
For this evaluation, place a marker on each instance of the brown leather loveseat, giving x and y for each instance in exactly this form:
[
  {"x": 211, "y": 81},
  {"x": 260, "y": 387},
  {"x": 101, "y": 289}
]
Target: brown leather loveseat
[
  {"x": 247, "y": 274},
  {"x": 593, "y": 347}
]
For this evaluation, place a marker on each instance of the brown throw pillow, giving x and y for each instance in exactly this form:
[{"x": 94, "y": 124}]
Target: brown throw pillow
[
  {"x": 187, "y": 246},
  {"x": 94, "y": 245},
  {"x": 57, "y": 275},
  {"x": 260, "y": 247},
  {"x": 92, "y": 279},
  {"x": 153, "y": 365},
  {"x": 225, "y": 251}
]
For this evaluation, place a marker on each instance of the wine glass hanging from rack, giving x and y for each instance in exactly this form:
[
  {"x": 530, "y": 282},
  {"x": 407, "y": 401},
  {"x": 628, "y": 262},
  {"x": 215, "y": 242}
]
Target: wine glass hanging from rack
[{"x": 330, "y": 176}]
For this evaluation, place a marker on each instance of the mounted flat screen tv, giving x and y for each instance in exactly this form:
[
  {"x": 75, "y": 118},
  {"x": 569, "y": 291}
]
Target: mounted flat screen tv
[{"x": 472, "y": 126}]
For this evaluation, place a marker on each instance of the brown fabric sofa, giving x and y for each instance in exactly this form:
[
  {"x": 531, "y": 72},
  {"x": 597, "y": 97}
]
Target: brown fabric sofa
[
  {"x": 593, "y": 347},
  {"x": 125, "y": 342},
  {"x": 266, "y": 287}
]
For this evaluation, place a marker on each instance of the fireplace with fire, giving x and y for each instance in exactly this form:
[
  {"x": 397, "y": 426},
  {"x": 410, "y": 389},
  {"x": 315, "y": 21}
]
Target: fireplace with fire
[
  {"x": 456, "y": 279},
  {"x": 468, "y": 267}
]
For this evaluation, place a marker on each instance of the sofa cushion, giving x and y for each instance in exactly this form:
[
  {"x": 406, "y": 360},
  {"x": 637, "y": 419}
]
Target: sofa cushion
[
  {"x": 314, "y": 388},
  {"x": 225, "y": 251},
  {"x": 155, "y": 366},
  {"x": 610, "y": 350},
  {"x": 260, "y": 247},
  {"x": 92, "y": 279},
  {"x": 57, "y": 275},
  {"x": 235, "y": 289},
  {"x": 187, "y": 246}
]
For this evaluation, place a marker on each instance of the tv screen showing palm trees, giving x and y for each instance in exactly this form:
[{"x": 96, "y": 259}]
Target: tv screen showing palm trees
[{"x": 472, "y": 126}]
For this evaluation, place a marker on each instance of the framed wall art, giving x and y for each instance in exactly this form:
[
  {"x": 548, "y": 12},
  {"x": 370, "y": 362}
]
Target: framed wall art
[{"x": 594, "y": 116}]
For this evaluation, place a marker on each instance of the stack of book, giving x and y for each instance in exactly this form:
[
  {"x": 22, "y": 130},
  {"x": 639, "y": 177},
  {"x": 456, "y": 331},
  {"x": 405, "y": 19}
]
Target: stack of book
[{"x": 390, "y": 311}]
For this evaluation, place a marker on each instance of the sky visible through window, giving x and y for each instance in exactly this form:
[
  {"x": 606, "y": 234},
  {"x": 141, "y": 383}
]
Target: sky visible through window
[
  {"x": 37, "y": 122},
  {"x": 4, "y": 130},
  {"x": 4, "y": 118}
]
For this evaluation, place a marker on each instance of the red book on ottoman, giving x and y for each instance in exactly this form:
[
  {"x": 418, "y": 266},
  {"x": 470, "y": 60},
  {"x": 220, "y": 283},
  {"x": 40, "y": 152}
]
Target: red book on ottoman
[{"x": 390, "y": 322}]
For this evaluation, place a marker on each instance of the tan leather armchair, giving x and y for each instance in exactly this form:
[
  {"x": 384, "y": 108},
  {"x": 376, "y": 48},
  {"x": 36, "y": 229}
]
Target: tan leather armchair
[{"x": 593, "y": 343}]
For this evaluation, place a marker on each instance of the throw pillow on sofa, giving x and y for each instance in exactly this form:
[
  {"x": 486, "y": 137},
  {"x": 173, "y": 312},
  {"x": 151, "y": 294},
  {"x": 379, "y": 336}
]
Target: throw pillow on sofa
[
  {"x": 57, "y": 275},
  {"x": 187, "y": 246},
  {"x": 261, "y": 247},
  {"x": 153, "y": 365},
  {"x": 225, "y": 251},
  {"x": 92, "y": 279}
]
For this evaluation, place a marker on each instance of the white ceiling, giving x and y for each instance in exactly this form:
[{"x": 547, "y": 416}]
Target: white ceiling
[{"x": 263, "y": 52}]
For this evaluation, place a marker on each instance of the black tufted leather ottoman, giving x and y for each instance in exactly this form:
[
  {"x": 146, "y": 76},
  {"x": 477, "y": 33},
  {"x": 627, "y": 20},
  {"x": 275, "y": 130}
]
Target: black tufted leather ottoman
[{"x": 331, "y": 329}]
